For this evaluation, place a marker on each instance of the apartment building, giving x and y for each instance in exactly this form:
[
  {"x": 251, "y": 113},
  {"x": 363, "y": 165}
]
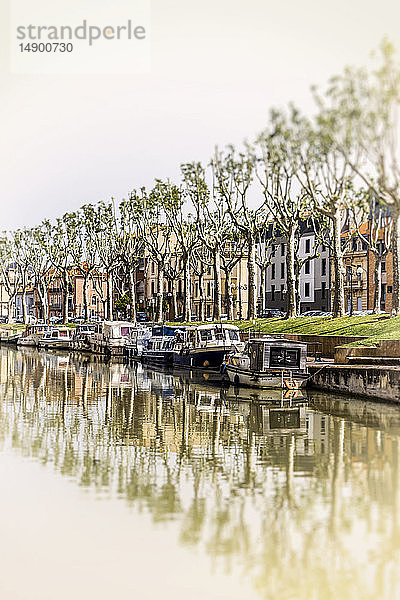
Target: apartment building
[{"x": 314, "y": 281}]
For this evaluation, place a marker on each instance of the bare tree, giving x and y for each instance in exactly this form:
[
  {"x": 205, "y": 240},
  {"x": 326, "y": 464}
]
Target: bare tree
[
  {"x": 285, "y": 199},
  {"x": 234, "y": 172},
  {"x": 233, "y": 249},
  {"x": 131, "y": 249},
  {"x": 10, "y": 272},
  {"x": 374, "y": 226},
  {"x": 149, "y": 214},
  {"x": 212, "y": 223},
  {"x": 360, "y": 112}
]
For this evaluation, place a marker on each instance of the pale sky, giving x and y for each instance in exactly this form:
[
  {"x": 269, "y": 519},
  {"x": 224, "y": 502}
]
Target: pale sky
[{"x": 217, "y": 67}]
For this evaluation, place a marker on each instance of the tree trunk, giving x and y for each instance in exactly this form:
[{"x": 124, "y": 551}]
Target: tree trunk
[
  {"x": 65, "y": 298},
  {"x": 43, "y": 300},
  {"x": 9, "y": 309},
  {"x": 291, "y": 276},
  {"x": 186, "y": 291},
  {"x": 23, "y": 302},
  {"x": 396, "y": 261},
  {"x": 262, "y": 288},
  {"x": 338, "y": 296},
  {"x": 110, "y": 308},
  {"x": 377, "y": 284},
  {"x": 228, "y": 296},
  {"x": 85, "y": 299},
  {"x": 201, "y": 294},
  {"x": 160, "y": 292},
  {"x": 252, "y": 284},
  {"x": 132, "y": 293},
  {"x": 217, "y": 286},
  {"x": 174, "y": 300}
]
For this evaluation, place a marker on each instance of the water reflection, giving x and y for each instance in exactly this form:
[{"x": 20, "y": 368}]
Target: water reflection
[{"x": 305, "y": 503}]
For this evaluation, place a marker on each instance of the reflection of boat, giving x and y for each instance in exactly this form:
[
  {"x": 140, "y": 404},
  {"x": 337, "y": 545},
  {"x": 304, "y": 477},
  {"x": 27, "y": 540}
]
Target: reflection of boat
[
  {"x": 205, "y": 346},
  {"x": 271, "y": 419},
  {"x": 57, "y": 337},
  {"x": 269, "y": 363},
  {"x": 32, "y": 335}
]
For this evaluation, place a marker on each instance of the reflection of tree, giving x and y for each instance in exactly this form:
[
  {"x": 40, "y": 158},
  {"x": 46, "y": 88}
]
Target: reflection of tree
[{"x": 295, "y": 511}]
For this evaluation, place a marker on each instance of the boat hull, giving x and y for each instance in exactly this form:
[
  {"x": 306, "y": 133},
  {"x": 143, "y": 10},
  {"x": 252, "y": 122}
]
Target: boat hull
[
  {"x": 56, "y": 344},
  {"x": 200, "y": 359},
  {"x": 270, "y": 379},
  {"x": 157, "y": 358}
]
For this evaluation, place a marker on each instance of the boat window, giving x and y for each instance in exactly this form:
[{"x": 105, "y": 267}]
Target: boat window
[
  {"x": 219, "y": 334},
  {"x": 284, "y": 357},
  {"x": 205, "y": 335},
  {"x": 125, "y": 331},
  {"x": 233, "y": 335},
  {"x": 63, "y": 334}
]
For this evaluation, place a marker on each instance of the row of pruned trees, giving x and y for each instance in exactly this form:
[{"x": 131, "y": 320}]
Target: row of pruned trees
[{"x": 341, "y": 164}]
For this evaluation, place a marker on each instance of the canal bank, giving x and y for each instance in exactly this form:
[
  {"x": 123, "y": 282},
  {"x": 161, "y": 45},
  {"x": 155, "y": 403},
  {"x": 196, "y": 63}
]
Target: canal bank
[{"x": 372, "y": 381}]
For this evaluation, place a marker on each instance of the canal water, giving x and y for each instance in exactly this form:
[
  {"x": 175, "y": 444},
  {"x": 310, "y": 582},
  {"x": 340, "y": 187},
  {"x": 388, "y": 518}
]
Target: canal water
[{"x": 119, "y": 481}]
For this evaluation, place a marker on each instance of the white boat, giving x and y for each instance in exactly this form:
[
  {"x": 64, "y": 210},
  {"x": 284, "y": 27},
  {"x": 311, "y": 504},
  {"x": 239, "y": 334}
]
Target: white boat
[
  {"x": 32, "y": 335},
  {"x": 138, "y": 341},
  {"x": 205, "y": 346},
  {"x": 82, "y": 336},
  {"x": 269, "y": 363},
  {"x": 58, "y": 338},
  {"x": 112, "y": 338}
]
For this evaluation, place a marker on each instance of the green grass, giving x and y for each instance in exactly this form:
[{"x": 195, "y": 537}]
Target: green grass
[{"x": 374, "y": 327}]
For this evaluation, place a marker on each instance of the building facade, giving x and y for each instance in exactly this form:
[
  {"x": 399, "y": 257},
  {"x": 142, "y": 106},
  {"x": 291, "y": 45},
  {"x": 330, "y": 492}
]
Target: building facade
[{"x": 314, "y": 279}]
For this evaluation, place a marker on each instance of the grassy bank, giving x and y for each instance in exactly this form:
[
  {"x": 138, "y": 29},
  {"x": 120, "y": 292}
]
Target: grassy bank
[{"x": 374, "y": 327}]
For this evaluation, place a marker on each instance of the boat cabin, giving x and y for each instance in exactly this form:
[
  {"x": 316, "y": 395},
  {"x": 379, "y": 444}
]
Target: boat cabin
[
  {"x": 208, "y": 336},
  {"x": 118, "y": 329},
  {"x": 269, "y": 353}
]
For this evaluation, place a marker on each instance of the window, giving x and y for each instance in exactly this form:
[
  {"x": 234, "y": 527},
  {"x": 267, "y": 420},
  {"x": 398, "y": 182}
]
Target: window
[
  {"x": 282, "y": 249},
  {"x": 233, "y": 335},
  {"x": 307, "y": 290},
  {"x": 284, "y": 357},
  {"x": 152, "y": 288},
  {"x": 273, "y": 250},
  {"x": 272, "y": 271},
  {"x": 205, "y": 335},
  {"x": 208, "y": 288},
  {"x": 323, "y": 248},
  {"x": 272, "y": 292},
  {"x": 282, "y": 289},
  {"x": 323, "y": 289},
  {"x": 152, "y": 268},
  {"x": 323, "y": 267},
  {"x": 93, "y": 300},
  {"x": 307, "y": 246},
  {"x": 383, "y": 267},
  {"x": 307, "y": 268},
  {"x": 282, "y": 270},
  {"x": 389, "y": 289}
]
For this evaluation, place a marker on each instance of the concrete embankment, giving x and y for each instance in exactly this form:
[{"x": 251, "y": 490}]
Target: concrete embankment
[{"x": 379, "y": 382}]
